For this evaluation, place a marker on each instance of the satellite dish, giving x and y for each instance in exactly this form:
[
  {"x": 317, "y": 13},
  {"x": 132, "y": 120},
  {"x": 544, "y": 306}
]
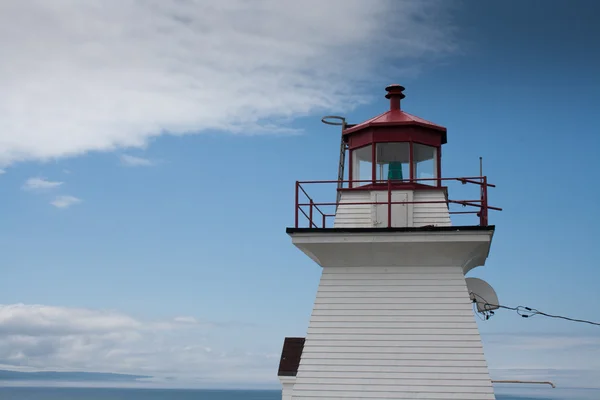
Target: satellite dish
[{"x": 483, "y": 294}]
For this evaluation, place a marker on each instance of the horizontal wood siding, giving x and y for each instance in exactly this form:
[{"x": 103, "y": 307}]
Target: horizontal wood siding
[
  {"x": 420, "y": 214},
  {"x": 414, "y": 338},
  {"x": 430, "y": 213},
  {"x": 287, "y": 387},
  {"x": 354, "y": 215}
]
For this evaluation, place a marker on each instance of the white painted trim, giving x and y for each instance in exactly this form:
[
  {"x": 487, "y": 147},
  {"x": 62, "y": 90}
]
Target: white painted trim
[
  {"x": 395, "y": 237},
  {"x": 467, "y": 249}
]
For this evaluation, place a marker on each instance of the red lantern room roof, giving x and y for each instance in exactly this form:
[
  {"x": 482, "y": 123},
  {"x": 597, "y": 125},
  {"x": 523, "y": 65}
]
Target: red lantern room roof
[
  {"x": 398, "y": 117},
  {"x": 395, "y": 116}
]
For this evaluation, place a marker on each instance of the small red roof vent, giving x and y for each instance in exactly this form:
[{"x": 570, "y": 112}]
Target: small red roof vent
[{"x": 395, "y": 95}]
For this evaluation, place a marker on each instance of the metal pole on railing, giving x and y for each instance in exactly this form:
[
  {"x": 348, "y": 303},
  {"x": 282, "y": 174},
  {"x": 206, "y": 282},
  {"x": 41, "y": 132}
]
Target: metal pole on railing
[
  {"x": 324, "y": 220},
  {"x": 296, "y": 214},
  {"x": 484, "y": 205},
  {"x": 310, "y": 214},
  {"x": 481, "y": 181},
  {"x": 389, "y": 204}
]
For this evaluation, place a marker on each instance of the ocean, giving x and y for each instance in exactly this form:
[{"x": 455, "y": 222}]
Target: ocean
[{"x": 35, "y": 393}]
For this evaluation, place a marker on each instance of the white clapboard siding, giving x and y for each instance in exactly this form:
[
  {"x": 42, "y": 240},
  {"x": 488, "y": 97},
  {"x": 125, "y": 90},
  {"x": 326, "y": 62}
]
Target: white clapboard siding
[
  {"x": 354, "y": 215},
  {"x": 362, "y": 215},
  {"x": 287, "y": 386},
  {"x": 357, "y": 369},
  {"x": 350, "y": 394},
  {"x": 399, "y": 375},
  {"x": 430, "y": 213},
  {"x": 393, "y": 333}
]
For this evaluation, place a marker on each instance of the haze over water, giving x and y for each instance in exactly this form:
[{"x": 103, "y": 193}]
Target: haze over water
[{"x": 37, "y": 393}]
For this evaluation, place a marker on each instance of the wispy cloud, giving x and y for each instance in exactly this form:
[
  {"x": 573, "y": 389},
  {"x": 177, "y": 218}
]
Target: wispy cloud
[
  {"x": 2, "y": 171},
  {"x": 40, "y": 184},
  {"x": 65, "y": 201},
  {"x": 133, "y": 161},
  {"x": 186, "y": 320},
  {"x": 183, "y": 67},
  {"x": 44, "y": 337}
]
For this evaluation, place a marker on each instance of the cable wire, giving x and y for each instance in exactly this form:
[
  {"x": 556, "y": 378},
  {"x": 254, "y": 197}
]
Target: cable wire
[{"x": 526, "y": 312}]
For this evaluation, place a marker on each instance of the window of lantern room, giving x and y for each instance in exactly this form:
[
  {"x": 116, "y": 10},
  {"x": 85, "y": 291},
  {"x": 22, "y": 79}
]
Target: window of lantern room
[
  {"x": 393, "y": 162},
  {"x": 362, "y": 166},
  {"x": 425, "y": 162}
]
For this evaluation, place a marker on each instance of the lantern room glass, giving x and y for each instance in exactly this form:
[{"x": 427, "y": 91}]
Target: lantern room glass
[
  {"x": 393, "y": 162},
  {"x": 362, "y": 166},
  {"x": 425, "y": 164}
]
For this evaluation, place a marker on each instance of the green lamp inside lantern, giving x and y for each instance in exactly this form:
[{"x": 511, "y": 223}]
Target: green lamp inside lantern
[{"x": 395, "y": 171}]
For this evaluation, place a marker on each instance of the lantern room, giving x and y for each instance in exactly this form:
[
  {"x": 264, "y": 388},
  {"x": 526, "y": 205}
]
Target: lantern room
[
  {"x": 390, "y": 176},
  {"x": 394, "y": 146}
]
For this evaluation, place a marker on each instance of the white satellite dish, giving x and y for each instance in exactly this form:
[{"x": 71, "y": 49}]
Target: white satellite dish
[{"x": 483, "y": 294}]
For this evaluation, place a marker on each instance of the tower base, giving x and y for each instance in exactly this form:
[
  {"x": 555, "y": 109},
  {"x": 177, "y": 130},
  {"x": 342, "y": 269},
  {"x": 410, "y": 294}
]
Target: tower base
[{"x": 392, "y": 318}]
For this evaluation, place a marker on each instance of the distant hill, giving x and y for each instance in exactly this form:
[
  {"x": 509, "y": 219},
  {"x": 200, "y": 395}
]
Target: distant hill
[{"x": 68, "y": 376}]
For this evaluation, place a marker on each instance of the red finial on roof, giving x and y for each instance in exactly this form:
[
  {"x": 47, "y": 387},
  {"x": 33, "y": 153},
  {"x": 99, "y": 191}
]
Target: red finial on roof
[{"x": 395, "y": 95}]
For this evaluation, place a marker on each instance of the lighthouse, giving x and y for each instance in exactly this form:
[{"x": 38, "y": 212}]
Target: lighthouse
[{"x": 393, "y": 316}]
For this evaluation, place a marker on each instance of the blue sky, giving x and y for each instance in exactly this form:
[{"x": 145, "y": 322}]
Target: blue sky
[{"x": 172, "y": 166}]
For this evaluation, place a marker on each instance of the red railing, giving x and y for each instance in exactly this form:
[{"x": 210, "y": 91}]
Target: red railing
[{"x": 317, "y": 217}]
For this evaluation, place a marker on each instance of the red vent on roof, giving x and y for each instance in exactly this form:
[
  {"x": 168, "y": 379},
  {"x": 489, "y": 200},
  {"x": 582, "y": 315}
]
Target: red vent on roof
[{"x": 395, "y": 95}]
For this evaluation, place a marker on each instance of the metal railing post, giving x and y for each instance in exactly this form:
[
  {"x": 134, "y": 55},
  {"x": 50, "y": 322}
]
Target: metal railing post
[
  {"x": 296, "y": 209},
  {"x": 310, "y": 214},
  {"x": 389, "y": 211}
]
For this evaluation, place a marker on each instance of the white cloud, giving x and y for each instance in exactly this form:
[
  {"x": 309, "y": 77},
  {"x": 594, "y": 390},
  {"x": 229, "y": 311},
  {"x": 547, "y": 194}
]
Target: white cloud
[
  {"x": 111, "y": 75},
  {"x": 42, "y": 337},
  {"x": 40, "y": 184},
  {"x": 65, "y": 201},
  {"x": 186, "y": 320},
  {"x": 132, "y": 161},
  {"x": 196, "y": 353},
  {"x": 40, "y": 320}
]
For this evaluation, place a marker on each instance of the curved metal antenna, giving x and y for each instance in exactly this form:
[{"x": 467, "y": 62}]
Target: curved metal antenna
[
  {"x": 336, "y": 120},
  {"x": 328, "y": 120}
]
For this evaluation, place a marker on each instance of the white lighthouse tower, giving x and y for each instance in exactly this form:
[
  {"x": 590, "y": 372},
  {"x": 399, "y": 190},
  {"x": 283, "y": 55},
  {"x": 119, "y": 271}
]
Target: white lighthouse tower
[{"x": 393, "y": 316}]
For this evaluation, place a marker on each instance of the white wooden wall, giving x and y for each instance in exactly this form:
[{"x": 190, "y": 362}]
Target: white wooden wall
[
  {"x": 363, "y": 215},
  {"x": 393, "y": 333},
  {"x": 287, "y": 386},
  {"x": 354, "y": 216},
  {"x": 430, "y": 213}
]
